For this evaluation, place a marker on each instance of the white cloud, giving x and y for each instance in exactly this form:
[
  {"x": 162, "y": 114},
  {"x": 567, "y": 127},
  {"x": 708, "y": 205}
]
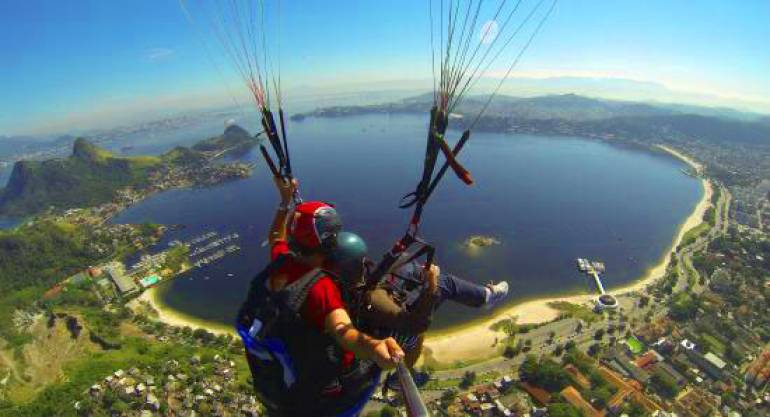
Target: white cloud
[{"x": 158, "y": 54}]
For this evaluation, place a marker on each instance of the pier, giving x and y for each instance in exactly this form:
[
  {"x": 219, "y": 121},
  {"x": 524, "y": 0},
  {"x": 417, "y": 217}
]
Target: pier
[{"x": 593, "y": 269}]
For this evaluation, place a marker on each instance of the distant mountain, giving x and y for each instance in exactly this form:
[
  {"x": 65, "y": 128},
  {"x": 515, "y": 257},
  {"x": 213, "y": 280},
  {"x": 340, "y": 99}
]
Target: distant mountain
[
  {"x": 569, "y": 107},
  {"x": 234, "y": 139},
  {"x": 725, "y": 139},
  {"x": 565, "y": 106},
  {"x": 91, "y": 175}
]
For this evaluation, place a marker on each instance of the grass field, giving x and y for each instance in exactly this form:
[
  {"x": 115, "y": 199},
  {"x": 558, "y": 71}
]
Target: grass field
[
  {"x": 575, "y": 310},
  {"x": 635, "y": 345},
  {"x": 694, "y": 234}
]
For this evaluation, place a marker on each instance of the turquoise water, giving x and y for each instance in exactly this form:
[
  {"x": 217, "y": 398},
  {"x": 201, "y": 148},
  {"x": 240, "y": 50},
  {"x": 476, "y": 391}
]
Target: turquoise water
[{"x": 548, "y": 200}]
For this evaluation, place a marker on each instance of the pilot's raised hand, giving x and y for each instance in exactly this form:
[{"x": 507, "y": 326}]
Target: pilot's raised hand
[{"x": 286, "y": 188}]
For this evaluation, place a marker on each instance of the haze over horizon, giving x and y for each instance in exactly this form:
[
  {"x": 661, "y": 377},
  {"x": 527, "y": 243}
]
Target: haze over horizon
[{"x": 92, "y": 64}]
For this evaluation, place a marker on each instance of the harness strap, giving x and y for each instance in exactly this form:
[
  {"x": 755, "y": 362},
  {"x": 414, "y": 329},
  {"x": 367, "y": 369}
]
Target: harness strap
[{"x": 296, "y": 293}]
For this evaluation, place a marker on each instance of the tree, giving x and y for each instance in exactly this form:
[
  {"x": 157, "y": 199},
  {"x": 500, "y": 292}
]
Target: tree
[
  {"x": 511, "y": 351},
  {"x": 602, "y": 396},
  {"x": 599, "y": 334},
  {"x": 666, "y": 385},
  {"x": 544, "y": 373},
  {"x": 635, "y": 410},
  {"x": 683, "y": 306},
  {"x": 579, "y": 327},
  {"x": 447, "y": 397},
  {"x": 558, "y": 350},
  {"x": 528, "y": 367},
  {"x": 203, "y": 335},
  {"x": 468, "y": 379},
  {"x": 579, "y": 359},
  {"x": 594, "y": 349},
  {"x": 120, "y": 406}
]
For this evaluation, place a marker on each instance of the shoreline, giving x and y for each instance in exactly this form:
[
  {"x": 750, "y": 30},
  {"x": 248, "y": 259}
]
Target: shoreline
[
  {"x": 475, "y": 340},
  {"x": 174, "y": 317}
]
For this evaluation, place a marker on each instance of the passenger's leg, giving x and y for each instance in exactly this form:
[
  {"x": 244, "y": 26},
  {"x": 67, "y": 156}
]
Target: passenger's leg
[{"x": 461, "y": 291}]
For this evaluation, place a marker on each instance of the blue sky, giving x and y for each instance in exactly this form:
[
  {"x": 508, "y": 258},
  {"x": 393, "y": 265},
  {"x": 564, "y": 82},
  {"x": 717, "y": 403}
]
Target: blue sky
[{"x": 72, "y": 64}]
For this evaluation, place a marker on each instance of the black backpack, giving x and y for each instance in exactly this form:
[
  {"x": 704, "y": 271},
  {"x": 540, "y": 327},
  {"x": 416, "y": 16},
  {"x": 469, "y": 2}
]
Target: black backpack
[{"x": 293, "y": 365}]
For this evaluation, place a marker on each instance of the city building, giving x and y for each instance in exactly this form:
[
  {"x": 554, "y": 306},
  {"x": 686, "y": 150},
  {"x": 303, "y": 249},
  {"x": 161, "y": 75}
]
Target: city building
[{"x": 126, "y": 285}]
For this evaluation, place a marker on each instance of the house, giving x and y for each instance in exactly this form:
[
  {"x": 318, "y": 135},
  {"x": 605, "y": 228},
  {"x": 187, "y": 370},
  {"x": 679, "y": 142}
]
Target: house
[
  {"x": 106, "y": 288},
  {"x": 151, "y": 402},
  {"x": 471, "y": 404},
  {"x": 616, "y": 401},
  {"x": 619, "y": 359},
  {"x": 487, "y": 409},
  {"x": 77, "y": 279},
  {"x": 503, "y": 410},
  {"x": 632, "y": 386},
  {"x": 506, "y": 381},
  {"x": 710, "y": 368},
  {"x": 670, "y": 371},
  {"x": 572, "y": 396},
  {"x": 649, "y": 358},
  {"x": 125, "y": 284},
  {"x": 696, "y": 403},
  {"x": 487, "y": 393},
  {"x": 540, "y": 395},
  {"x": 578, "y": 376},
  {"x": 715, "y": 360}
]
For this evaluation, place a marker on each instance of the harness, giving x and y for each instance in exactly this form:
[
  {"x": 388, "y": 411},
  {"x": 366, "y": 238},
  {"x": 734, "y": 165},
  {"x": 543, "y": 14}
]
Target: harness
[
  {"x": 436, "y": 143},
  {"x": 296, "y": 370}
]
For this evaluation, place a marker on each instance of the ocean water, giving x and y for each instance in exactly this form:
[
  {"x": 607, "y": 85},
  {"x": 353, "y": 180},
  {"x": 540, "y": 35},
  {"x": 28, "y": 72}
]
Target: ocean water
[{"x": 547, "y": 199}]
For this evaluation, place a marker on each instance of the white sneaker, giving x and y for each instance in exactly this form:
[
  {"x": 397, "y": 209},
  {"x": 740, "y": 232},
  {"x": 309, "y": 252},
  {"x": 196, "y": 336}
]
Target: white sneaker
[{"x": 496, "y": 293}]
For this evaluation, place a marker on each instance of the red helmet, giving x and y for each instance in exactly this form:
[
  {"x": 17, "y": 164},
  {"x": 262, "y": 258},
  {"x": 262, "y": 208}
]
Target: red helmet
[{"x": 314, "y": 224}]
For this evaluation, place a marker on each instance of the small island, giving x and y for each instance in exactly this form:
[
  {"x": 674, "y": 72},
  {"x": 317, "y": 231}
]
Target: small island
[{"x": 480, "y": 241}]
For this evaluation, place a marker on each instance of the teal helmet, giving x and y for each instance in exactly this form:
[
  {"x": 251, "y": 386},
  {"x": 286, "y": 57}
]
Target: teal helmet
[{"x": 350, "y": 248}]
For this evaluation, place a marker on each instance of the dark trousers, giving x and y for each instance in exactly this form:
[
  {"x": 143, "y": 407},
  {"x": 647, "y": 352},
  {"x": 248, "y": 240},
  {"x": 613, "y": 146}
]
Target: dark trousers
[{"x": 460, "y": 291}]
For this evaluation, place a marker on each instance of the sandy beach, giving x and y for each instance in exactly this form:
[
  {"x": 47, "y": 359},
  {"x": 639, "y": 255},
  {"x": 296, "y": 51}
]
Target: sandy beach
[
  {"x": 175, "y": 318},
  {"x": 476, "y": 341}
]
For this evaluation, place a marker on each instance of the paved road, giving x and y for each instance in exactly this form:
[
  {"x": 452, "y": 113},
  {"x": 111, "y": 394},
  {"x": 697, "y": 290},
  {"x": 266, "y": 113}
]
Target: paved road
[{"x": 685, "y": 267}]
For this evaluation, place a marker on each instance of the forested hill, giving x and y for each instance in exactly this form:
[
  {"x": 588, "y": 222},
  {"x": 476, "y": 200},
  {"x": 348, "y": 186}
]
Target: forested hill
[{"x": 91, "y": 175}]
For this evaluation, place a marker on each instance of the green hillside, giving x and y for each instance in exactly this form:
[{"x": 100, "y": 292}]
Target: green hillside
[
  {"x": 89, "y": 176},
  {"x": 235, "y": 139}
]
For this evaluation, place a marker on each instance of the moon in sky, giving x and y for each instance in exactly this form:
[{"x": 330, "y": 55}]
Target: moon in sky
[{"x": 489, "y": 31}]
